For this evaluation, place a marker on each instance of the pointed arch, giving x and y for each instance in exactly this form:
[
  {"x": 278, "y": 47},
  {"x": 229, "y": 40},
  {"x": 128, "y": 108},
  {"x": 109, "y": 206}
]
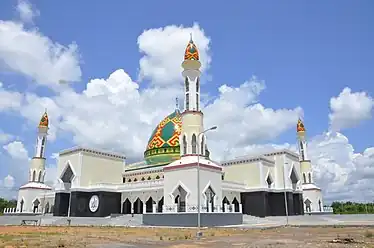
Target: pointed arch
[
  {"x": 310, "y": 177},
  {"x": 40, "y": 177},
  {"x": 184, "y": 144},
  {"x": 186, "y": 83},
  {"x": 194, "y": 144},
  {"x": 269, "y": 180},
  {"x": 304, "y": 177},
  {"x": 34, "y": 176}
]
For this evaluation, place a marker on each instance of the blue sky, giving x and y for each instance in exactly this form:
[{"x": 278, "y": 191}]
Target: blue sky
[{"x": 305, "y": 51}]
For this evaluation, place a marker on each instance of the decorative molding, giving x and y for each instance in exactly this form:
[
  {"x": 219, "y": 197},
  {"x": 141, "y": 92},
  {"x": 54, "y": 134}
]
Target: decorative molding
[{"x": 97, "y": 152}]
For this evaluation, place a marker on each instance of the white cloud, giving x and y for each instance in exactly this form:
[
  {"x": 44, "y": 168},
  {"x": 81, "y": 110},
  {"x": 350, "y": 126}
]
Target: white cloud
[
  {"x": 26, "y": 11},
  {"x": 9, "y": 100},
  {"x": 163, "y": 50},
  {"x": 8, "y": 181},
  {"x": 4, "y": 137},
  {"x": 34, "y": 55},
  {"x": 349, "y": 109},
  {"x": 16, "y": 150}
]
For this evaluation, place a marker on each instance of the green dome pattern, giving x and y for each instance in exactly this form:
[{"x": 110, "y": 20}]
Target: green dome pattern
[{"x": 163, "y": 145}]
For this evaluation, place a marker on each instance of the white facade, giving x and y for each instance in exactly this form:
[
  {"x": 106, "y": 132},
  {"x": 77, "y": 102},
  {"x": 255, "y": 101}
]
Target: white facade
[{"x": 177, "y": 186}]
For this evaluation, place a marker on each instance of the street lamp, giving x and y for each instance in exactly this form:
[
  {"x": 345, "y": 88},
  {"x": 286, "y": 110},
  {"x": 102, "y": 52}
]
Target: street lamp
[
  {"x": 198, "y": 234},
  {"x": 285, "y": 194}
]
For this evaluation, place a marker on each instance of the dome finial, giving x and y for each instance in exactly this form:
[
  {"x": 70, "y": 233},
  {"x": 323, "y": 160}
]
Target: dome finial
[
  {"x": 191, "y": 52},
  {"x": 300, "y": 128},
  {"x": 44, "y": 121}
]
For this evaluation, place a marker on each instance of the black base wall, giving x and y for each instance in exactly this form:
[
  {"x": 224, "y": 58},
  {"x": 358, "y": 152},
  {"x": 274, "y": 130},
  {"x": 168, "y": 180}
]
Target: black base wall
[
  {"x": 61, "y": 204},
  {"x": 262, "y": 203},
  {"x": 190, "y": 219},
  {"x": 109, "y": 203}
]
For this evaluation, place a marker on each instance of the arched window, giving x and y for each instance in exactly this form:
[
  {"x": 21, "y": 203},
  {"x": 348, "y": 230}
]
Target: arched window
[
  {"x": 187, "y": 101},
  {"x": 184, "y": 144},
  {"x": 304, "y": 177},
  {"x": 197, "y": 84},
  {"x": 310, "y": 177},
  {"x": 194, "y": 144},
  {"x": 143, "y": 178},
  {"x": 129, "y": 180},
  {"x": 187, "y": 84},
  {"x": 149, "y": 178},
  {"x": 33, "y": 176},
  {"x": 197, "y": 102},
  {"x": 202, "y": 146},
  {"x": 157, "y": 177},
  {"x": 40, "y": 176},
  {"x": 135, "y": 180}
]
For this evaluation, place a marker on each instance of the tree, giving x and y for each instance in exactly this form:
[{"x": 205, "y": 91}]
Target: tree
[
  {"x": 352, "y": 208},
  {"x": 6, "y": 204}
]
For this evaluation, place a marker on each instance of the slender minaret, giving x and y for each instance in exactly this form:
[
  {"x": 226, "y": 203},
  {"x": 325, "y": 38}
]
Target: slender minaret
[
  {"x": 37, "y": 165},
  {"x": 305, "y": 163},
  {"x": 192, "y": 117}
]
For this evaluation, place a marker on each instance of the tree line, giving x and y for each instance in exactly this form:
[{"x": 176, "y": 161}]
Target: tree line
[
  {"x": 6, "y": 204},
  {"x": 352, "y": 208}
]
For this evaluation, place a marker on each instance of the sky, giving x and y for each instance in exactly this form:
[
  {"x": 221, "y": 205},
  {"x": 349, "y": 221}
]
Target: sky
[{"x": 265, "y": 64}]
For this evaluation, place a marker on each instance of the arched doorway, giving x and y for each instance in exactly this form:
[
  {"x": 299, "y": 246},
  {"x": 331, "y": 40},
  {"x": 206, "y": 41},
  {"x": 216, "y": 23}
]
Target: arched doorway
[
  {"x": 126, "y": 207},
  {"x": 36, "y": 206},
  {"x": 149, "y": 205},
  {"x": 21, "y": 205},
  {"x": 138, "y": 206},
  {"x": 209, "y": 202},
  {"x": 308, "y": 204},
  {"x": 236, "y": 205},
  {"x": 180, "y": 198},
  {"x": 225, "y": 201},
  {"x": 46, "y": 208},
  {"x": 160, "y": 204}
]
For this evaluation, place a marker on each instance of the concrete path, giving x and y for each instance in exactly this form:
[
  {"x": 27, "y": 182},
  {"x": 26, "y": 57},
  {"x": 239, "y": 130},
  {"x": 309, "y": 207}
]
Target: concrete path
[{"x": 248, "y": 221}]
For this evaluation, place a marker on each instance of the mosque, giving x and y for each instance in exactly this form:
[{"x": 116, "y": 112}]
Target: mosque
[{"x": 176, "y": 175}]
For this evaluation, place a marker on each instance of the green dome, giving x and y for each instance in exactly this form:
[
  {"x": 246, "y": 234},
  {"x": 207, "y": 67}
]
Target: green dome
[{"x": 163, "y": 145}]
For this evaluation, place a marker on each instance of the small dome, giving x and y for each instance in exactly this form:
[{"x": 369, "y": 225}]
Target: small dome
[
  {"x": 44, "y": 121},
  {"x": 163, "y": 145},
  {"x": 191, "y": 52},
  {"x": 300, "y": 126}
]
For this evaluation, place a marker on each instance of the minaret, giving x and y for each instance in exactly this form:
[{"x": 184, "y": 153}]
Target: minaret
[
  {"x": 305, "y": 163},
  {"x": 192, "y": 117},
  {"x": 37, "y": 166}
]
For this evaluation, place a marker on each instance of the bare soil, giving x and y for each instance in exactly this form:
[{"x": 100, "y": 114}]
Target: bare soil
[{"x": 102, "y": 237}]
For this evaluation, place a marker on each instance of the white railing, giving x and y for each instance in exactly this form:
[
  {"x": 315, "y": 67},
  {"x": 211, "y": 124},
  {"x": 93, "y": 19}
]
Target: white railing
[
  {"x": 227, "y": 208},
  {"x": 10, "y": 211}
]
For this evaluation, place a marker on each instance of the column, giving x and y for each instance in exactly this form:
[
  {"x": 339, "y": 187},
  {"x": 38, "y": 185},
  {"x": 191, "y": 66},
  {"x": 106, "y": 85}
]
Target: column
[
  {"x": 154, "y": 208},
  {"x": 232, "y": 207},
  {"x": 144, "y": 208},
  {"x": 209, "y": 208},
  {"x": 132, "y": 208},
  {"x": 227, "y": 208},
  {"x": 240, "y": 208}
]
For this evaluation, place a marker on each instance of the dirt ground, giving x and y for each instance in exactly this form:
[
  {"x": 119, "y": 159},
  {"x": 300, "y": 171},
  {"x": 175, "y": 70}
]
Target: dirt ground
[{"x": 102, "y": 237}]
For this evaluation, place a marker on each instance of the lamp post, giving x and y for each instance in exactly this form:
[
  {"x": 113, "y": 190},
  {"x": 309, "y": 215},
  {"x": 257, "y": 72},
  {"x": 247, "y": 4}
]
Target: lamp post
[
  {"x": 198, "y": 234},
  {"x": 285, "y": 193}
]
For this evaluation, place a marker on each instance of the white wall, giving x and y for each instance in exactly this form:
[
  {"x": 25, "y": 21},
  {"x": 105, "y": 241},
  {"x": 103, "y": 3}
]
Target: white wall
[
  {"x": 187, "y": 178},
  {"x": 314, "y": 195}
]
